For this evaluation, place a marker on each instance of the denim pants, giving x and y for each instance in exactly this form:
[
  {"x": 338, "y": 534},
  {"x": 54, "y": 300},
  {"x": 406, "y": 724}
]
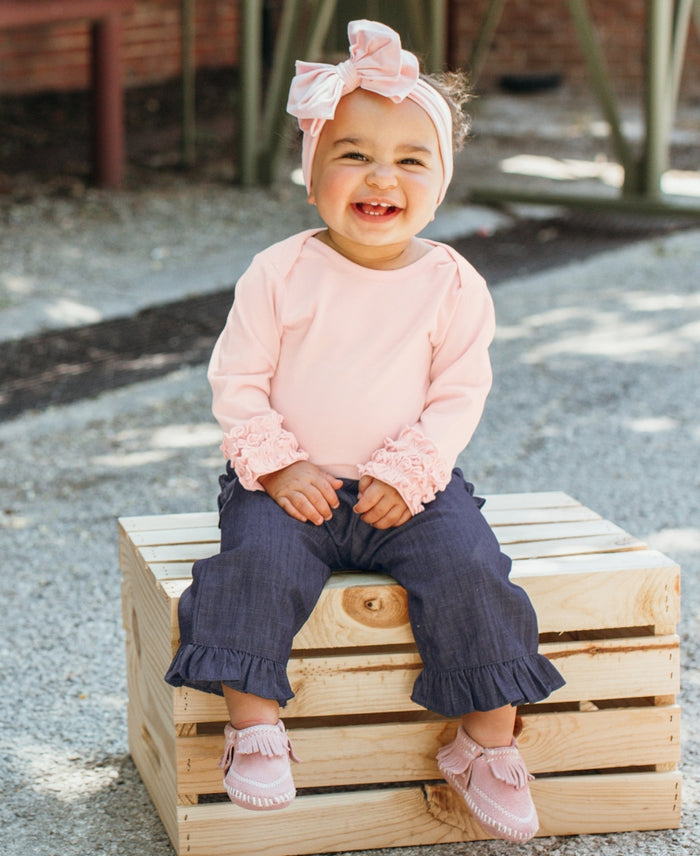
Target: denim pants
[{"x": 475, "y": 630}]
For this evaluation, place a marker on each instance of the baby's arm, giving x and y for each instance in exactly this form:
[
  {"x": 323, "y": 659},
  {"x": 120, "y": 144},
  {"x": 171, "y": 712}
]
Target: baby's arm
[
  {"x": 304, "y": 491},
  {"x": 380, "y": 504},
  {"x": 418, "y": 462}
]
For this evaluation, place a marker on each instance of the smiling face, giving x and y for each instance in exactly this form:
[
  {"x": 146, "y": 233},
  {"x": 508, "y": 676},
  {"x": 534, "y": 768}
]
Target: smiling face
[{"x": 376, "y": 179}]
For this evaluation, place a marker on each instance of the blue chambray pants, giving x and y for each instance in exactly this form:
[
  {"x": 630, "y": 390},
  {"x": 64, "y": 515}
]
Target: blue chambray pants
[{"x": 475, "y": 630}]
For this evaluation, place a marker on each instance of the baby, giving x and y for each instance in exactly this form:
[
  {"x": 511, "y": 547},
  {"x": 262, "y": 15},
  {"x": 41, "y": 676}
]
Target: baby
[{"x": 352, "y": 371}]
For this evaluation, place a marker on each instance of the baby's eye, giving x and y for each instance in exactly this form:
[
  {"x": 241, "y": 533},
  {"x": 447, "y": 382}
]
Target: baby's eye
[
  {"x": 411, "y": 162},
  {"x": 354, "y": 156}
]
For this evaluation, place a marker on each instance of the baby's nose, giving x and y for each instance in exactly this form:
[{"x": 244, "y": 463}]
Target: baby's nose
[{"x": 383, "y": 175}]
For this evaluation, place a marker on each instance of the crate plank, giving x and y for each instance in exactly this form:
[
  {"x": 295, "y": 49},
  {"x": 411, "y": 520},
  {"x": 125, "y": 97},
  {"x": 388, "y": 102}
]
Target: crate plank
[
  {"x": 371, "y": 682},
  {"x": 511, "y": 526},
  {"x": 161, "y": 556},
  {"x": 536, "y": 499},
  {"x": 574, "y": 545},
  {"x": 555, "y": 530},
  {"x": 499, "y": 502},
  {"x": 587, "y": 562},
  {"x": 520, "y": 540},
  {"x": 363, "y": 610},
  {"x": 156, "y": 522},
  {"x": 185, "y": 534},
  {"x": 405, "y": 751},
  {"x": 431, "y": 814},
  {"x": 498, "y": 517}
]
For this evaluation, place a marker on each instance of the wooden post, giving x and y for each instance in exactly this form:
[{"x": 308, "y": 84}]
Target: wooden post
[
  {"x": 289, "y": 40},
  {"x": 600, "y": 79},
  {"x": 438, "y": 34},
  {"x": 484, "y": 38},
  {"x": 108, "y": 107},
  {"x": 282, "y": 69},
  {"x": 189, "y": 131},
  {"x": 251, "y": 90}
]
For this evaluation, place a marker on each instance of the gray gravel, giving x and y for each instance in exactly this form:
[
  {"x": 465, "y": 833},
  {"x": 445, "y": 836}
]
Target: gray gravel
[{"x": 595, "y": 394}]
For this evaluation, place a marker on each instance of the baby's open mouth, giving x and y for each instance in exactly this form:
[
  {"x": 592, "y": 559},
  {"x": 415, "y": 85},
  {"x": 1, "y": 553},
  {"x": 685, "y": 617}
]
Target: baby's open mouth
[{"x": 376, "y": 209}]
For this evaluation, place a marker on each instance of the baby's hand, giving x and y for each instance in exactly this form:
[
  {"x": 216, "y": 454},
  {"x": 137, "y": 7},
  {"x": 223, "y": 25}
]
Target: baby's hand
[
  {"x": 304, "y": 491},
  {"x": 380, "y": 504}
]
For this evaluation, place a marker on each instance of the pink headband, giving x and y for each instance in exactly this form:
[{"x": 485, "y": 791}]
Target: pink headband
[{"x": 378, "y": 64}]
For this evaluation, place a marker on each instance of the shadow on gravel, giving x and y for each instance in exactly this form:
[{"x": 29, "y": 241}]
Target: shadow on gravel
[{"x": 63, "y": 366}]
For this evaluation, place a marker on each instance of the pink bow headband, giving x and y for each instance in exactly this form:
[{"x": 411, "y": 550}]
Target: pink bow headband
[{"x": 378, "y": 64}]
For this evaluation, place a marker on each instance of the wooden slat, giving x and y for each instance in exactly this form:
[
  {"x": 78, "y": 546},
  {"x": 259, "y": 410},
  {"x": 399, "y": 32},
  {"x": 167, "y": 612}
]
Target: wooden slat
[
  {"x": 525, "y": 525},
  {"x": 371, "y": 610},
  {"x": 520, "y": 516},
  {"x": 155, "y": 522},
  {"x": 160, "y": 555},
  {"x": 179, "y": 573},
  {"x": 628, "y": 597},
  {"x": 405, "y": 751},
  {"x": 596, "y": 564},
  {"x": 551, "y": 504},
  {"x": 182, "y": 536},
  {"x": 202, "y": 526},
  {"x": 374, "y": 683},
  {"x": 536, "y": 499},
  {"x": 556, "y": 530},
  {"x": 512, "y": 525},
  {"x": 147, "y": 622},
  {"x": 574, "y": 546},
  {"x": 431, "y": 814}
]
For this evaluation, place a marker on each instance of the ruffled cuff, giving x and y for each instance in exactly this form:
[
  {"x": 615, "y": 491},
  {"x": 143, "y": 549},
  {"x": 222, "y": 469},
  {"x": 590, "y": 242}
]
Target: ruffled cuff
[
  {"x": 259, "y": 447},
  {"x": 525, "y": 680},
  {"x": 412, "y": 464},
  {"x": 204, "y": 668}
]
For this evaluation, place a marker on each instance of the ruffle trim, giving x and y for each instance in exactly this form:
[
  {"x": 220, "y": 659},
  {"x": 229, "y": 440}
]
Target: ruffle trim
[
  {"x": 412, "y": 464},
  {"x": 526, "y": 680},
  {"x": 259, "y": 447},
  {"x": 202, "y": 667}
]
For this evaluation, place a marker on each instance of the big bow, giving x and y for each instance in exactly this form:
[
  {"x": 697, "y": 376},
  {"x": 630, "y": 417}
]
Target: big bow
[{"x": 378, "y": 64}]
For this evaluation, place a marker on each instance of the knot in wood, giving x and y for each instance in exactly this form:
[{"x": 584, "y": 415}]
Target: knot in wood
[{"x": 376, "y": 606}]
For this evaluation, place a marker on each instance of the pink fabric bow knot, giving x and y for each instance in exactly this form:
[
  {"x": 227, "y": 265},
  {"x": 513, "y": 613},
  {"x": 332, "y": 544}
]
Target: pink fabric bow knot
[{"x": 378, "y": 64}]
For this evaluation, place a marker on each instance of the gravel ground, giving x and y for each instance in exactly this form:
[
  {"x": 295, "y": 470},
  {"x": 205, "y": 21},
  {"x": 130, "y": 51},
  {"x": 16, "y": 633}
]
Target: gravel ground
[{"x": 595, "y": 394}]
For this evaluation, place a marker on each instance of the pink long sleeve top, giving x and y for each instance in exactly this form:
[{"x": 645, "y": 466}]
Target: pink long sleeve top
[{"x": 361, "y": 371}]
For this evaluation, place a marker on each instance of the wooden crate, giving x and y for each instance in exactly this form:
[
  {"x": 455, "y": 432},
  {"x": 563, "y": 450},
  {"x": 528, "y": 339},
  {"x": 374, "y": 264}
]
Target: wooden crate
[{"x": 604, "y": 748}]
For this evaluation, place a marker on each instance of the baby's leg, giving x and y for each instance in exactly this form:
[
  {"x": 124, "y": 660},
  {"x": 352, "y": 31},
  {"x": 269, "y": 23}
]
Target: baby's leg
[
  {"x": 476, "y": 631},
  {"x": 237, "y": 623},
  {"x": 477, "y": 635},
  {"x": 491, "y": 728},
  {"x": 240, "y": 615},
  {"x": 245, "y": 709}
]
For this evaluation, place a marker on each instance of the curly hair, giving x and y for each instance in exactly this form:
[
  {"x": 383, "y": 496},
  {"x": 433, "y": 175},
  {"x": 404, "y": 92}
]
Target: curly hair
[{"x": 454, "y": 87}]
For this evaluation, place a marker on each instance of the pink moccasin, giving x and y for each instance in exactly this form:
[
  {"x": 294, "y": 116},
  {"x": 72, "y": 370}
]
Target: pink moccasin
[
  {"x": 494, "y": 785},
  {"x": 256, "y": 761}
]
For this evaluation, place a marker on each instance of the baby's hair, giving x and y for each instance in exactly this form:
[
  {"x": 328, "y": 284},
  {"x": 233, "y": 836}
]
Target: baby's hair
[{"x": 454, "y": 88}]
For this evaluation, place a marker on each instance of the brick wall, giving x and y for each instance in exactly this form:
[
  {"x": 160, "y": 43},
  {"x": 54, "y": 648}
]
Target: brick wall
[
  {"x": 537, "y": 37},
  {"x": 57, "y": 57},
  {"x": 533, "y": 36}
]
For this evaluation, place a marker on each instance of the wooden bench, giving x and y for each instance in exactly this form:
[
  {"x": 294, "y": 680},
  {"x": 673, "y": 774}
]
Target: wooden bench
[
  {"x": 604, "y": 748},
  {"x": 108, "y": 108}
]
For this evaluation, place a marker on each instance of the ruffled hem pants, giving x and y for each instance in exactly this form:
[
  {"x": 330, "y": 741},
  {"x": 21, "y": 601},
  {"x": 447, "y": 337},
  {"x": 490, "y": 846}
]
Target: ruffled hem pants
[{"x": 475, "y": 630}]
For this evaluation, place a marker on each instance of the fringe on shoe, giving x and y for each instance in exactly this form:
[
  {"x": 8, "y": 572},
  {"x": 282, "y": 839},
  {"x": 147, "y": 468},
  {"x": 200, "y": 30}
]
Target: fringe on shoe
[
  {"x": 456, "y": 757},
  {"x": 508, "y": 766},
  {"x": 267, "y": 740}
]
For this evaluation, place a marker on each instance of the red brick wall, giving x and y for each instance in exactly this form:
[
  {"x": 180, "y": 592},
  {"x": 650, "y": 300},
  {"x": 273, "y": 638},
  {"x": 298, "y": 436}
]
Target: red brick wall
[
  {"x": 57, "y": 57},
  {"x": 533, "y": 36},
  {"x": 537, "y": 36}
]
